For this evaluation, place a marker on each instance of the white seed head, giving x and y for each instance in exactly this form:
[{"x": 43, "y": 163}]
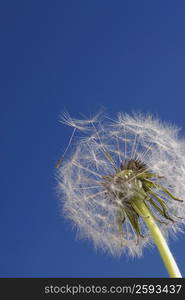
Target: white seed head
[{"x": 91, "y": 192}]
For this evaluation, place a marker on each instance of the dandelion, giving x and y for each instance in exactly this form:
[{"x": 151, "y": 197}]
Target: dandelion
[{"x": 123, "y": 183}]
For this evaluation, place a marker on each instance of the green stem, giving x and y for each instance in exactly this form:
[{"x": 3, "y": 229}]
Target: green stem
[{"x": 159, "y": 240}]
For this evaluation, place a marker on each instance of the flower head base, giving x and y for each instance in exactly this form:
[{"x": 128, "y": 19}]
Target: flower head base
[
  {"x": 118, "y": 165},
  {"x": 128, "y": 186}
]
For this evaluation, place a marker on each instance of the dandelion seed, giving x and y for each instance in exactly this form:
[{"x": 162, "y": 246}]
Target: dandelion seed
[{"x": 125, "y": 178}]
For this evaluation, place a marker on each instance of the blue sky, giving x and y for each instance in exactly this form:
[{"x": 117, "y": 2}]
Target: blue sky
[{"x": 79, "y": 56}]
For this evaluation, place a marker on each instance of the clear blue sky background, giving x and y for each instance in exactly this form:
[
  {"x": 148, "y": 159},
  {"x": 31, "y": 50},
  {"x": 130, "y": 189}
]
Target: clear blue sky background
[{"x": 78, "y": 55}]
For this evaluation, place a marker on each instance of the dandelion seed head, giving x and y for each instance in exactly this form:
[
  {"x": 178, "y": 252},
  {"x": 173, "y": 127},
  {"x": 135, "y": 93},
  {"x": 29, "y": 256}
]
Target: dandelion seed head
[{"x": 94, "y": 195}]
